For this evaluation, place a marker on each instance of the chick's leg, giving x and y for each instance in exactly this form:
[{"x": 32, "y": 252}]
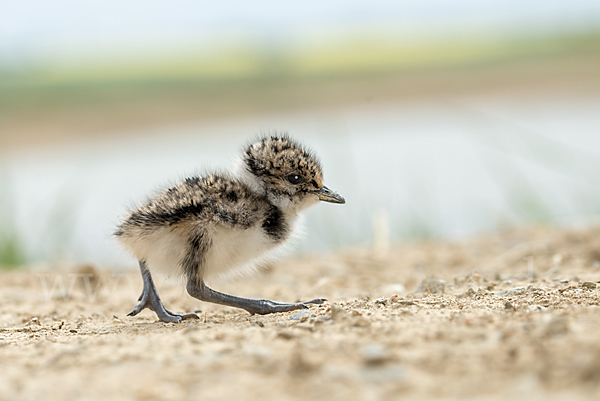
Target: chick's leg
[
  {"x": 150, "y": 299},
  {"x": 255, "y": 306}
]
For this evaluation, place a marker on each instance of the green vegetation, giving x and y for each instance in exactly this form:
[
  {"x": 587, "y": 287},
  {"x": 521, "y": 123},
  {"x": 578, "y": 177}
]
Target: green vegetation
[
  {"x": 351, "y": 58},
  {"x": 12, "y": 249},
  {"x": 12, "y": 253},
  {"x": 244, "y": 81}
]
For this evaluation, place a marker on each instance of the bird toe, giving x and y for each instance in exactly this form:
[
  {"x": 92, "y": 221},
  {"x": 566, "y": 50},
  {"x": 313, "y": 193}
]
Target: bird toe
[{"x": 316, "y": 301}]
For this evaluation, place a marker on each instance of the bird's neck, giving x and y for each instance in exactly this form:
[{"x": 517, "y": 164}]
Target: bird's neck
[{"x": 241, "y": 173}]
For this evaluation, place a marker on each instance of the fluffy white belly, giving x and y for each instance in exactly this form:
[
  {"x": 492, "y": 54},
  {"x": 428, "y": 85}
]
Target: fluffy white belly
[
  {"x": 238, "y": 252},
  {"x": 233, "y": 252}
]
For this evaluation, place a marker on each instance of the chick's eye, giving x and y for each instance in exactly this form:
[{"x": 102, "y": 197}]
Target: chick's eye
[{"x": 294, "y": 178}]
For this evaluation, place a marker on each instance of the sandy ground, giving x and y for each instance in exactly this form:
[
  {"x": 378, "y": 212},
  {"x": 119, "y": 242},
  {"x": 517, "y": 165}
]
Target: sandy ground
[{"x": 514, "y": 315}]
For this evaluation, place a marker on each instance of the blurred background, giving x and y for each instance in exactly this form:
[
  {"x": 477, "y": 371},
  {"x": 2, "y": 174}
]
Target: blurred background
[{"x": 434, "y": 119}]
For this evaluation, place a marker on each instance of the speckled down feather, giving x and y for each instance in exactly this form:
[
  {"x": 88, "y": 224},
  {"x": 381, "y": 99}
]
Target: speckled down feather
[{"x": 212, "y": 225}]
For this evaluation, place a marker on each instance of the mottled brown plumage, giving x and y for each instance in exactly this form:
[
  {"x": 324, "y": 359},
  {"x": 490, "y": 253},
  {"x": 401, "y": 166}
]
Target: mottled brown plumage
[{"x": 224, "y": 224}]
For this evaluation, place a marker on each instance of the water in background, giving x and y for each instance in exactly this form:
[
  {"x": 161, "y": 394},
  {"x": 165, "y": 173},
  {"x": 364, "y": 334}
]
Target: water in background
[{"x": 443, "y": 168}]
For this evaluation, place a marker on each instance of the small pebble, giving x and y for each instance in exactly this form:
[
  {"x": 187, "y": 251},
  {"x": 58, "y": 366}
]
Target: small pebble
[
  {"x": 302, "y": 315},
  {"x": 511, "y": 292},
  {"x": 403, "y": 303},
  {"x": 589, "y": 285},
  {"x": 116, "y": 318},
  {"x": 469, "y": 293},
  {"x": 381, "y": 301}
]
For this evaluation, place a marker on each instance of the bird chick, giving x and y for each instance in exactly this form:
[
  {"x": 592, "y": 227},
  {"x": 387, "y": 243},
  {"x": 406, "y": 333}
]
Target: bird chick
[{"x": 225, "y": 223}]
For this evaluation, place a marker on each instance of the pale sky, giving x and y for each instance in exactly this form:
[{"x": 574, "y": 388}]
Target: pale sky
[{"x": 32, "y": 30}]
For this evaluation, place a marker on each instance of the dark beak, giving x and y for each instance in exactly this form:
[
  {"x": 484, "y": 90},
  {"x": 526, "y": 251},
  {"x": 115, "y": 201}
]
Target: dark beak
[{"x": 327, "y": 195}]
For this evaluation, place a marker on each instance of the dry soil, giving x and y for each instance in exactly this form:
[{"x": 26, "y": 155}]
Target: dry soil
[{"x": 514, "y": 315}]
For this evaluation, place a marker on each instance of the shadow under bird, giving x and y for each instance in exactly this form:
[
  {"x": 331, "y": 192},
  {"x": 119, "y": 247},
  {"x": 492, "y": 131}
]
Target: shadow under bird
[{"x": 225, "y": 223}]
